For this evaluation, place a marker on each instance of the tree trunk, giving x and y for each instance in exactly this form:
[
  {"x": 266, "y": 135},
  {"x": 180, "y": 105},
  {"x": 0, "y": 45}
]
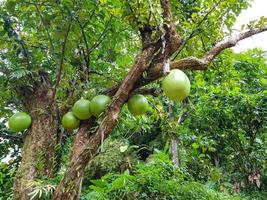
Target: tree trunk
[
  {"x": 174, "y": 150},
  {"x": 38, "y": 153},
  {"x": 174, "y": 146},
  {"x": 79, "y": 145}
]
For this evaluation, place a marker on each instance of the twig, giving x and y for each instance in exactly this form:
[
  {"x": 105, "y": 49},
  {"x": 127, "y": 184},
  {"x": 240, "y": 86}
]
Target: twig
[
  {"x": 132, "y": 11},
  {"x": 86, "y": 57},
  {"x": 196, "y": 28},
  {"x": 12, "y": 137},
  {"x": 18, "y": 39},
  {"x": 88, "y": 19},
  {"x": 40, "y": 4},
  {"x": 61, "y": 62},
  {"x": 101, "y": 37},
  {"x": 46, "y": 29}
]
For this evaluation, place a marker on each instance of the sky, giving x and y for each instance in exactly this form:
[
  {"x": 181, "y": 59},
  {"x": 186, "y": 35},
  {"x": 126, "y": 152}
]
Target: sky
[{"x": 258, "y": 8}]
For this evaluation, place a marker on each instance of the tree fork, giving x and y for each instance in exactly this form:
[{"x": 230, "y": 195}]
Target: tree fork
[{"x": 69, "y": 185}]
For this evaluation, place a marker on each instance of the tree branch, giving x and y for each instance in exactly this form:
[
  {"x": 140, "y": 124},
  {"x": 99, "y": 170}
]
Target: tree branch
[
  {"x": 101, "y": 37},
  {"x": 170, "y": 40},
  {"x": 230, "y": 42},
  {"x": 194, "y": 63},
  {"x": 86, "y": 57},
  {"x": 173, "y": 40},
  {"x": 61, "y": 62},
  {"x": 196, "y": 28},
  {"x": 46, "y": 29},
  {"x": 12, "y": 137},
  {"x": 110, "y": 120},
  {"x": 167, "y": 15},
  {"x": 191, "y": 63}
]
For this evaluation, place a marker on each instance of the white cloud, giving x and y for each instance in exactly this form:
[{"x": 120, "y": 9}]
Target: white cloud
[{"x": 257, "y": 10}]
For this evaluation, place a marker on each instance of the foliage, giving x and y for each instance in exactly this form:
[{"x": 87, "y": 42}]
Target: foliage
[
  {"x": 6, "y": 181},
  {"x": 156, "y": 179},
  {"x": 227, "y": 125},
  {"x": 223, "y": 139},
  {"x": 41, "y": 190},
  {"x": 116, "y": 156}
]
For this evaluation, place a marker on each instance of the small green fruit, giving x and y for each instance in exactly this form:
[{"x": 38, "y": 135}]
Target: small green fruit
[
  {"x": 176, "y": 85},
  {"x": 99, "y": 104},
  {"x": 138, "y": 104},
  {"x": 69, "y": 121},
  {"x": 81, "y": 109},
  {"x": 19, "y": 122}
]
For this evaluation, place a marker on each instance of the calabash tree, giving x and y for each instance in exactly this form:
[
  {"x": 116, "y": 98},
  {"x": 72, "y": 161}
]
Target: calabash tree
[{"x": 53, "y": 52}]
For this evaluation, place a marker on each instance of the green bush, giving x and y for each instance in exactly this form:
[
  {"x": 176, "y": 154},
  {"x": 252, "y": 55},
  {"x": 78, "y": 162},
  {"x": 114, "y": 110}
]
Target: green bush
[
  {"x": 6, "y": 181},
  {"x": 157, "y": 179}
]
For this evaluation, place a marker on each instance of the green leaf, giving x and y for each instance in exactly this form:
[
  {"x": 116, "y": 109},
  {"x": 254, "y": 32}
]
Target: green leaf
[
  {"x": 123, "y": 148},
  {"x": 118, "y": 183},
  {"x": 99, "y": 183}
]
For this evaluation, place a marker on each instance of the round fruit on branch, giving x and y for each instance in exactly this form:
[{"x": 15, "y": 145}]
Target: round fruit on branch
[
  {"x": 69, "y": 121},
  {"x": 81, "y": 109},
  {"x": 138, "y": 104},
  {"x": 19, "y": 122},
  {"x": 176, "y": 85},
  {"x": 99, "y": 104}
]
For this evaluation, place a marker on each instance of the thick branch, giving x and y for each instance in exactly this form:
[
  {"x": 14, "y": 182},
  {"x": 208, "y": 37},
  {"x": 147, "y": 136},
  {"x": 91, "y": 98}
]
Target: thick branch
[
  {"x": 185, "y": 63},
  {"x": 167, "y": 15},
  {"x": 76, "y": 170},
  {"x": 194, "y": 63},
  {"x": 191, "y": 63},
  {"x": 230, "y": 42},
  {"x": 173, "y": 40}
]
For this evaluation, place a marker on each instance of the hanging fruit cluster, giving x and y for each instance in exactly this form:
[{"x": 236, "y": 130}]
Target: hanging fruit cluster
[
  {"x": 175, "y": 85},
  {"x": 83, "y": 109}
]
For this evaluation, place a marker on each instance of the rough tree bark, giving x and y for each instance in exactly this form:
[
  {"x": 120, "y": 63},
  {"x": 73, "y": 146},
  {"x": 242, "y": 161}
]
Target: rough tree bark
[
  {"x": 38, "y": 153},
  {"x": 83, "y": 135}
]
